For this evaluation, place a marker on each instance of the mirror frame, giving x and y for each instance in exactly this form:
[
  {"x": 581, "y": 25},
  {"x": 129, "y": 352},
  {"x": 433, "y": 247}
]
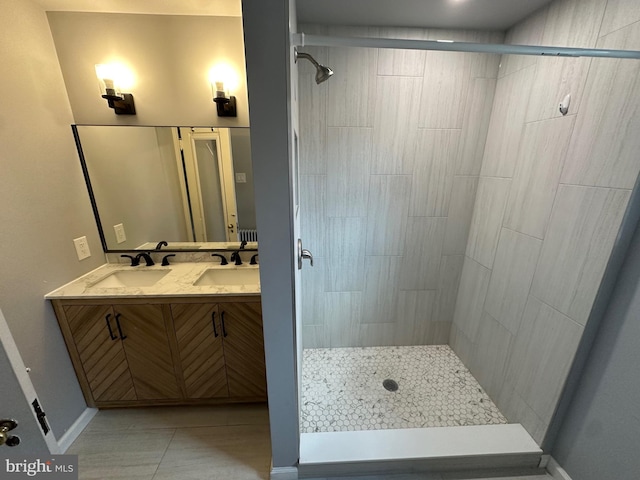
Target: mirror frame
[{"x": 96, "y": 214}]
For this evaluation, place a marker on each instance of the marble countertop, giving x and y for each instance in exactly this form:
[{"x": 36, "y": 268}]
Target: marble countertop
[{"x": 178, "y": 282}]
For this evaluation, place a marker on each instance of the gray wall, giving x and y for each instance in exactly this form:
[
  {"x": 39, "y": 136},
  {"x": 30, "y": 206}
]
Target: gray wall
[
  {"x": 170, "y": 57},
  {"x": 599, "y": 436},
  {"x": 550, "y": 200},
  {"x": 266, "y": 27},
  {"x": 390, "y": 152},
  {"x": 43, "y": 205},
  {"x": 135, "y": 181}
]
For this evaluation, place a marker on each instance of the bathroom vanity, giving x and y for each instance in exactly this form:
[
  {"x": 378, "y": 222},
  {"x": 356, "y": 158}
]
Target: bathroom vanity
[{"x": 189, "y": 333}]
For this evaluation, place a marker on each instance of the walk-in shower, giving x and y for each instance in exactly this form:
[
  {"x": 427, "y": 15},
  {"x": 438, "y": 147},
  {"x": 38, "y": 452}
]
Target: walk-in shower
[{"x": 460, "y": 223}]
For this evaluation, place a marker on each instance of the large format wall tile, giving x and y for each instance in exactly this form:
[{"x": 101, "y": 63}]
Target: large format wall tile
[
  {"x": 553, "y": 80},
  {"x": 573, "y": 23},
  {"x": 516, "y": 409},
  {"x": 542, "y": 152},
  {"x": 583, "y": 227},
  {"x": 345, "y": 264},
  {"x": 380, "y": 300},
  {"x": 312, "y": 286},
  {"x": 447, "y": 293},
  {"x": 343, "y": 312},
  {"x": 513, "y": 270},
  {"x": 471, "y": 295},
  {"x": 349, "y": 157},
  {"x": 415, "y": 321},
  {"x": 490, "y": 355},
  {"x": 352, "y": 87},
  {"x": 312, "y": 141},
  {"x": 541, "y": 356},
  {"x": 528, "y": 32},
  {"x": 433, "y": 173},
  {"x": 619, "y": 14},
  {"x": 463, "y": 196},
  {"x": 387, "y": 214},
  {"x": 395, "y": 125},
  {"x": 444, "y": 90},
  {"x": 422, "y": 253},
  {"x": 507, "y": 123},
  {"x": 605, "y": 144},
  {"x": 489, "y": 208},
  {"x": 313, "y": 228},
  {"x": 475, "y": 125},
  {"x": 407, "y": 63}
]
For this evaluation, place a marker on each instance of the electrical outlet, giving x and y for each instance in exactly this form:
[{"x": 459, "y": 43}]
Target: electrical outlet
[
  {"x": 120, "y": 235},
  {"x": 241, "y": 178},
  {"x": 82, "y": 247}
]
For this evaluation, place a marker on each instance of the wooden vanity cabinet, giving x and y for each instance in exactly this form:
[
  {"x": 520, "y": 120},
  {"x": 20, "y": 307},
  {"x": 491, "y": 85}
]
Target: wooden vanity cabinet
[
  {"x": 221, "y": 349},
  {"x": 165, "y": 351},
  {"x": 124, "y": 351}
]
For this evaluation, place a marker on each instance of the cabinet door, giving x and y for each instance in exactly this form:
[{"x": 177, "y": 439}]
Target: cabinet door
[
  {"x": 199, "y": 335},
  {"x": 146, "y": 343},
  {"x": 244, "y": 349},
  {"x": 103, "y": 359}
]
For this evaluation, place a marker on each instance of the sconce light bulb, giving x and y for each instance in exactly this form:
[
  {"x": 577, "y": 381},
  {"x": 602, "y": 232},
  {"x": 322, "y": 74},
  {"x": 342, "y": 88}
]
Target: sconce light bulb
[{"x": 220, "y": 89}]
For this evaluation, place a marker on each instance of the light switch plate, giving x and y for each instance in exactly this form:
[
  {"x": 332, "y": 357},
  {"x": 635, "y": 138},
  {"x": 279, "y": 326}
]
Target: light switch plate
[
  {"x": 120, "y": 235},
  {"x": 82, "y": 248},
  {"x": 241, "y": 178}
]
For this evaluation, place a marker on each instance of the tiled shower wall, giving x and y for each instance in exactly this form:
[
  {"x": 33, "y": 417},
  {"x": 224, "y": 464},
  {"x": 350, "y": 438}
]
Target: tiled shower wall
[
  {"x": 390, "y": 156},
  {"x": 550, "y": 199}
]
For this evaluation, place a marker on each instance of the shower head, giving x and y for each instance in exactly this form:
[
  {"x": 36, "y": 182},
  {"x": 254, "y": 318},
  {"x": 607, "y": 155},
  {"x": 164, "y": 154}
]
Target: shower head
[{"x": 322, "y": 73}]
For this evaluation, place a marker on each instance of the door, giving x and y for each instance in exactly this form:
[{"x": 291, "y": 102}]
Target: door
[
  {"x": 208, "y": 167},
  {"x": 102, "y": 354},
  {"x": 144, "y": 335},
  {"x": 244, "y": 348},
  {"x": 16, "y": 396},
  {"x": 199, "y": 334}
]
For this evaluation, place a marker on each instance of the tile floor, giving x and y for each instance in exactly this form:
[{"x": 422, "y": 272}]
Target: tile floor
[
  {"x": 342, "y": 390},
  {"x": 186, "y": 443},
  {"x": 192, "y": 443}
]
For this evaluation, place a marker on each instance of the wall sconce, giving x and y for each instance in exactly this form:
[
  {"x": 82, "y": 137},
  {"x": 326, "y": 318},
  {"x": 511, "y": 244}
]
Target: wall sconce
[
  {"x": 219, "y": 77},
  {"x": 111, "y": 78}
]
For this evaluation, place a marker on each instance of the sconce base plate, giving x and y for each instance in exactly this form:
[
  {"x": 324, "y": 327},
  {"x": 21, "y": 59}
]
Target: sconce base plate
[
  {"x": 121, "y": 106},
  {"x": 226, "y": 107}
]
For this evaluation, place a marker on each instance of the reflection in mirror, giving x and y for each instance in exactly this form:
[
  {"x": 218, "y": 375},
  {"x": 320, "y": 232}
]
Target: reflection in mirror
[{"x": 177, "y": 184}]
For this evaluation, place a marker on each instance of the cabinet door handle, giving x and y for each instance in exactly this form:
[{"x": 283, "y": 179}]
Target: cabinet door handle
[
  {"x": 213, "y": 320},
  {"x": 224, "y": 330},
  {"x": 113, "y": 337},
  {"x": 122, "y": 336}
]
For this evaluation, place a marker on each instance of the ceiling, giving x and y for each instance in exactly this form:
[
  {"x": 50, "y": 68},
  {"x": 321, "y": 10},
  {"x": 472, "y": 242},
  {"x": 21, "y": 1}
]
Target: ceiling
[
  {"x": 470, "y": 14},
  {"x": 473, "y": 14},
  {"x": 223, "y": 8}
]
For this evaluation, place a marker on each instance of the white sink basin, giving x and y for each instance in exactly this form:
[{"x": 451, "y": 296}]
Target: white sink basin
[
  {"x": 131, "y": 278},
  {"x": 229, "y": 276}
]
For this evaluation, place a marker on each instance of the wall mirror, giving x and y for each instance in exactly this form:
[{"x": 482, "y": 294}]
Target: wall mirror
[{"x": 190, "y": 187}]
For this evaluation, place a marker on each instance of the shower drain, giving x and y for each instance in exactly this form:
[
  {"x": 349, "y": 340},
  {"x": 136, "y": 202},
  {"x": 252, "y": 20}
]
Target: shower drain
[{"x": 390, "y": 385}]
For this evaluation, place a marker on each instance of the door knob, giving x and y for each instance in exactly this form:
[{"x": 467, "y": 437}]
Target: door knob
[{"x": 6, "y": 425}]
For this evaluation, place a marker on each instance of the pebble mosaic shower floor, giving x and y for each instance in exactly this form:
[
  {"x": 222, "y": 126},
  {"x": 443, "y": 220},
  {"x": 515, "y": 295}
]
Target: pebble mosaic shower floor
[{"x": 342, "y": 390}]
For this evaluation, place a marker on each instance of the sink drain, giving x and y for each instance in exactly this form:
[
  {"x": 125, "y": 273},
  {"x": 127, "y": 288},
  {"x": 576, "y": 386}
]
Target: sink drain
[{"x": 390, "y": 385}]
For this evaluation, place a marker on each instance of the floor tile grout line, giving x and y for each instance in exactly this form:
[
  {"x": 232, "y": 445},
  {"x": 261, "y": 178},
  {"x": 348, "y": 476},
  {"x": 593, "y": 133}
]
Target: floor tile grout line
[{"x": 175, "y": 430}]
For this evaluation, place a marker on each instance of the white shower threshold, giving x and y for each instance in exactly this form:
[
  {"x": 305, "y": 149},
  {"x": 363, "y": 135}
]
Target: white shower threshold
[{"x": 417, "y": 450}]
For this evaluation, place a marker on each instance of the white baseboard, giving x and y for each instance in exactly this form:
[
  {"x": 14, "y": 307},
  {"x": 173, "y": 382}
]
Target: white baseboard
[
  {"x": 284, "y": 473},
  {"x": 556, "y": 471},
  {"x": 76, "y": 429}
]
